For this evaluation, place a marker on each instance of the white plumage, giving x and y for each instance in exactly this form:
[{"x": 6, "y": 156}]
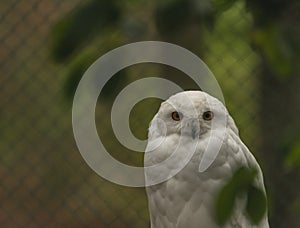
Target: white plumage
[{"x": 187, "y": 199}]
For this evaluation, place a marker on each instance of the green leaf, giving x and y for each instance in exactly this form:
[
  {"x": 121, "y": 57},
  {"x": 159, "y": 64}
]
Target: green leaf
[
  {"x": 238, "y": 184},
  {"x": 225, "y": 203},
  {"x": 243, "y": 178},
  {"x": 256, "y": 204}
]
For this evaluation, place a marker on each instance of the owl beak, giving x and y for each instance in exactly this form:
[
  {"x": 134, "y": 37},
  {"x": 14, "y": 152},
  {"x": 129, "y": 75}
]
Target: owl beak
[
  {"x": 195, "y": 128},
  {"x": 194, "y": 133}
]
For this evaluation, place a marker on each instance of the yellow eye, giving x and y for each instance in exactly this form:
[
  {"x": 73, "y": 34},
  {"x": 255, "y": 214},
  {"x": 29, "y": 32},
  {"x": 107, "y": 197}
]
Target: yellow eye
[
  {"x": 208, "y": 115},
  {"x": 176, "y": 116}
]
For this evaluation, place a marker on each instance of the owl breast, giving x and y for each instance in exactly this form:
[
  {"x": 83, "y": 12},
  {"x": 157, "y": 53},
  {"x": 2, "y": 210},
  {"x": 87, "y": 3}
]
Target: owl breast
[
  {"x": 181, "y": 195},
  {"x": 187, "y": 199}
]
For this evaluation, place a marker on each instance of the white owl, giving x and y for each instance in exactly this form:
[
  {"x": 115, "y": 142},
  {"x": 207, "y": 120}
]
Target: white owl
[{"x": 179, "y": 138}]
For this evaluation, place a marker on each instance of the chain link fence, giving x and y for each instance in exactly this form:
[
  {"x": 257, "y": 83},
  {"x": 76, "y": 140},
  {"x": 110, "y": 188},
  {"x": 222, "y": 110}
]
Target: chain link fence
[{"x": 44, "y": 181}]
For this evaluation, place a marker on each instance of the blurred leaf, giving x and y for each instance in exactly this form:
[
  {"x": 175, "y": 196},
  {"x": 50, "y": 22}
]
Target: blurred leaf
[
  {"x": 60, "y": 45},
  {"x": 243, "y": 178},
  {"x": 293, "y": 157},
  {"x": 77, "y": 28},
  {"x": 80, "y": 63},
  {"x": 225, "y": 203},
  {"x": 238, "y": 184},
  {"x": 256, "y": 204},
  {"x": 222, "y": 5},
  {"x": 76, "y": 70}
]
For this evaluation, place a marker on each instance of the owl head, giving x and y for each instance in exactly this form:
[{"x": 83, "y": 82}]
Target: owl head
[{"x": 191, "y": 114}]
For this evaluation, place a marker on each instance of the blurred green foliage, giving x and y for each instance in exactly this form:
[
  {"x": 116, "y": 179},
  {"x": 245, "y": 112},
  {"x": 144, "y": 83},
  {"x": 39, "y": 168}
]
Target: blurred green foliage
[
  {"x": 241, "y": 184},
  {"x": 256, "y": 204},
  {"x": 72, "y": 31}
]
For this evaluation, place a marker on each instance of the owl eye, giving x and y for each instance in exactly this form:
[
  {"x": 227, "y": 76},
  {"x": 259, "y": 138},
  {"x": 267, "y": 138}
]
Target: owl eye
[
  {"x": 208, "y": 115},
  {"x": 176, "y": 116}
]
